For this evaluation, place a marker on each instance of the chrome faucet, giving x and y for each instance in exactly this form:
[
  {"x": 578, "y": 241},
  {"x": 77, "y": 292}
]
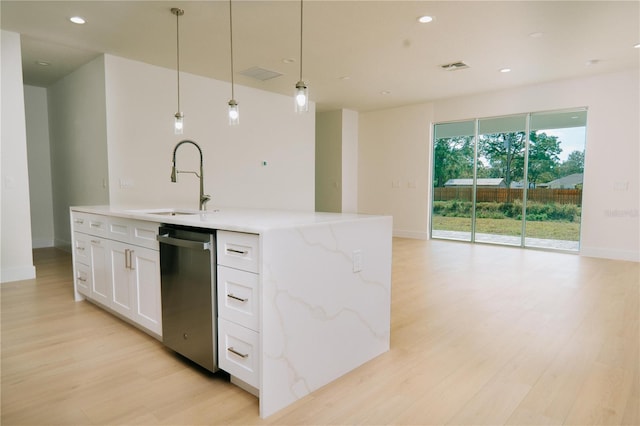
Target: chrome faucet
[{"x": 174, "y": 173}]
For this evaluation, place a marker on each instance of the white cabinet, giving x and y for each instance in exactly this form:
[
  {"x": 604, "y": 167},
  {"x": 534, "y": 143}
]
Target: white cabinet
[
  {"x": 117, "y": 264},
  {"x": 239, "y": 306},
  {"x": 135, "y": 284},
  {"x": 100, "y": 288}
]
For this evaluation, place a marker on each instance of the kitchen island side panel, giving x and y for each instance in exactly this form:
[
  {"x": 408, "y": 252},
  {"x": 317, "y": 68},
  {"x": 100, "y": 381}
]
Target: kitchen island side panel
[{"x": 326, "y": 305}]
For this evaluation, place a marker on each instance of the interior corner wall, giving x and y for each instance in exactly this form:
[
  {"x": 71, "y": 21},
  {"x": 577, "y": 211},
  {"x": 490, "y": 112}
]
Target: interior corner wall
[
  {"x": 328, "y": 179},
  {"x": 395, "y": 149},
  {"x": 16, "y": 257},
  {"x": 349, "y": 161},
  {"x": 39, "y": 160},
  {"x": 393, "y": 179},
  {"x": 611, "y": 192},
  {"x": 78, "y": 140},
  {"x": 267, "y": 161}
]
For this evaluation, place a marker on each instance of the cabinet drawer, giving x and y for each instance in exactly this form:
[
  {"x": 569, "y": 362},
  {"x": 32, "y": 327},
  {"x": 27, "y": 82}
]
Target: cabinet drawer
[
  {"x": 238, "y": 297},
  {"x": 97, "y": 225},
  {"x": 83, "y": 279},
  {"x": 81, "y": 251},
  {"x": 138, "y": 232},
  {"x": 238, "y": 351},
  {"x": 80, "y": 221},
  {"x": 238, "y": 250}
]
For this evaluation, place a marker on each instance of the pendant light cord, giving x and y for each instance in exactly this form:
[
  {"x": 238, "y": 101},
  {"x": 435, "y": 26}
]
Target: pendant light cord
[
  {"x": 301, "y": 17},
  {"x": 231, "y": 42},
  {"x": 178, "y": 12}
]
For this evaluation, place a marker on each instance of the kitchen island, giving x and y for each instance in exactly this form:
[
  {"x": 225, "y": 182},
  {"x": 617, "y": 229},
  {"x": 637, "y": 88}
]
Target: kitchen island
[{"x": 323, "y": 288}]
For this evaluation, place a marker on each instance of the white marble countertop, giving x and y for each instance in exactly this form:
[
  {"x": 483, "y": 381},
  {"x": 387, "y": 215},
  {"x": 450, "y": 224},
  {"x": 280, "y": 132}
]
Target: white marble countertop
[{"x": 249, "y": 220}]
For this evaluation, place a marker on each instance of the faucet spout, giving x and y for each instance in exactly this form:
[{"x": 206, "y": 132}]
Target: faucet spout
[{"x": 174, "y": 173}]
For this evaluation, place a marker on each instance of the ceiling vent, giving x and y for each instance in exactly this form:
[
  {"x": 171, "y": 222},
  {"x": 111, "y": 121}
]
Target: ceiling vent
[
  {"x": 454, "y": 66},
  {"x": 260, "y": 73}
]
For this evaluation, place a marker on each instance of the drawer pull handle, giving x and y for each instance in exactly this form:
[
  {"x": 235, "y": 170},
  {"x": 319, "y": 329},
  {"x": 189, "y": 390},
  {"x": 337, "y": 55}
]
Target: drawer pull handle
[
  {"x": 232, "y": 296},
  {"x": 233, "y": 351},
  {"x": 236, "y": 251},
  {"x": 95, "y": 242},
  {"x": 80, "y": 248},
  {"x": 84, "y": 280},
  {"x": 96, "y": 225},
  {"x": 79, "y": 221}
]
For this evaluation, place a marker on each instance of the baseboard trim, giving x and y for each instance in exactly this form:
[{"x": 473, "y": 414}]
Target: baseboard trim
[
  {"x": 628, "y": 255},
  {"x": 37, "y": 243},
  {"x": 416, "y": 235},
  {"x": 19, "y": 273}
]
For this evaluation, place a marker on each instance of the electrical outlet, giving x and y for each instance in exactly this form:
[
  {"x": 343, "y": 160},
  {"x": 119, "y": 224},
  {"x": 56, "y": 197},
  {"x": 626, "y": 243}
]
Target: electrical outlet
[{"x": 357, "y": 261}]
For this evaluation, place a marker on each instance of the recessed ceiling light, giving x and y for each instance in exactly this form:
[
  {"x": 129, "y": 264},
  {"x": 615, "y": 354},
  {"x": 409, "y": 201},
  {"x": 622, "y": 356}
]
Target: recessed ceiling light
[
  {"x": 344, "y": 77},
  {"x": 43, "y": 63},
  {"x": 425, "y": 19},
  {"x": 289, "y": 60},
  {"x": 385, "y": 92},
  {"x": 77, "y": 20},
  {"x": 505, "y": 70},
  {"x": 592, "y": 62},
  {"x": 537, "y": 34},
  {"x": 637, "y": 45}
]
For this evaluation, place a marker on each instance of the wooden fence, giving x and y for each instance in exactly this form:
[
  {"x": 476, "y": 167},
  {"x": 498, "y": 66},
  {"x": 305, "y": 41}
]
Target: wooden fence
[{"x": 506, "y": 195}]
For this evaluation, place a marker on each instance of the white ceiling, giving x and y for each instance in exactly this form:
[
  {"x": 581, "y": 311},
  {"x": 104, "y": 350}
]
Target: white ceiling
[{"x": 360, "y": 55}]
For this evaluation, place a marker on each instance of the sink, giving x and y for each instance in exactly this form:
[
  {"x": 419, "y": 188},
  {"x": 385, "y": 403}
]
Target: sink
[
  {"x": 168, "y": 212},
  {"x": 174, "y": 212}
]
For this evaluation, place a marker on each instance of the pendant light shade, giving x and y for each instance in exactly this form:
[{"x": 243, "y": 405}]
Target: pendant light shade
[
  {"x": 301, "y": 96},
  {"x": 233, "y": 112},
  {"x": 178, "y": 123}
]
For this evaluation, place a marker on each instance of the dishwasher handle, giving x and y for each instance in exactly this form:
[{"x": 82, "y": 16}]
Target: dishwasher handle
[{"x": 196, "y": 245}]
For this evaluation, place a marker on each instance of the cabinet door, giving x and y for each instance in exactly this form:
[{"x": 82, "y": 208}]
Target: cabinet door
[
  {"x": 145, "y": 276},
  {"x": 100, "y": 288},
  {"x": 122, "y": 294}
]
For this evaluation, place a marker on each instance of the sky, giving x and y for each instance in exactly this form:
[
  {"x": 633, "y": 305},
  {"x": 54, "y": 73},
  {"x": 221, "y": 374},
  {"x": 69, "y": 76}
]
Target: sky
[{"x": 571, "y": 139}]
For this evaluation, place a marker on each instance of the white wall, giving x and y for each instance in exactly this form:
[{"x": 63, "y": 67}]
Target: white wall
[
  {"x": 349, "y": 161},
  {"x": 610, "y": 225},
  {"x": 141, "y": 102},
  {"x": 328, "y": 187},
  {"x": 15, "y": 246},
  {"x": 78, "y": 137},
  {"x": 39, "y": 160},
  {"x": 393, "y": 176},
  {"x": 337, "y": 161}
]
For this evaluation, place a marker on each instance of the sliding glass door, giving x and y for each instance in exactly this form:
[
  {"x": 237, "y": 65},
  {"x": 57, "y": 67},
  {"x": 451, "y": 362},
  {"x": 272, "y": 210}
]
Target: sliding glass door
[
  {"x": 453, "y": 175},
  {"x": 555, "y": 173},
  {"x": 501, "y": 151},
  {"x": 514, "y": 180}
]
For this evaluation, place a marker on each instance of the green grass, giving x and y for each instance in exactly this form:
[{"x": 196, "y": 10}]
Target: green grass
[{"x": 568, "y": 231}]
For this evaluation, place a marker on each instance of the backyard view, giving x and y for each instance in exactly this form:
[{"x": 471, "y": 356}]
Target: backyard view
[{"x": 515, "y": 187}]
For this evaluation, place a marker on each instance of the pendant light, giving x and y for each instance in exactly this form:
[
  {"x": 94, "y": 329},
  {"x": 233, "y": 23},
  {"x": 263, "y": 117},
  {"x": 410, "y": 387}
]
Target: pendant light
[
  {"x": 301, "y": 96},
  {"x": 178, "y": 124},
  {"x": 234, "y": 112}
]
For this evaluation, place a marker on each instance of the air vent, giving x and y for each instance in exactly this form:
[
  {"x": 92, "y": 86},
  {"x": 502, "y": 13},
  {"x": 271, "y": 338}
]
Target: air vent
[
  {"x": 454, "y": 66},
  {"x": 260, "y": 73}
]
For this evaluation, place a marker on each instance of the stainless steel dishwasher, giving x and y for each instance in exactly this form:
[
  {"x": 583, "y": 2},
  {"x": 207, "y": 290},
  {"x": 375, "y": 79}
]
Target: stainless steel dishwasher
[{"x": 187, "y": 262}]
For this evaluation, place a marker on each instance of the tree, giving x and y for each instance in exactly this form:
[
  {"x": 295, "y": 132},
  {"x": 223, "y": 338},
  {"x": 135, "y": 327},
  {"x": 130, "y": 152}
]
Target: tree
[
  {"x": 543, "y": 157},
  {"x": 453, "y": 158},
  {"x": 573, "y": 164},
  {"x": 505, "y": 153}
]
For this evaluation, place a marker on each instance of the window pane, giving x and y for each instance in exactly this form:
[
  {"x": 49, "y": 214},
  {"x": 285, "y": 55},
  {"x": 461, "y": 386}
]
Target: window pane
[
  {"x": 555, "y": 174},
  {"x": 500, "y": 177},
  {"x": 453, "y": 155}
]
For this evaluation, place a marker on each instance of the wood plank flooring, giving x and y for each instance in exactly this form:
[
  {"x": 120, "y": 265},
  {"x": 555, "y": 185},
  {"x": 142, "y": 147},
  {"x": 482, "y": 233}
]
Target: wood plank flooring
[{"x": 481, "y": 335}]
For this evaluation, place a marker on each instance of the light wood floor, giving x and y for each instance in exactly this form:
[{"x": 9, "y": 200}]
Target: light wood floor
[{"x": 480, "y": 335}]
